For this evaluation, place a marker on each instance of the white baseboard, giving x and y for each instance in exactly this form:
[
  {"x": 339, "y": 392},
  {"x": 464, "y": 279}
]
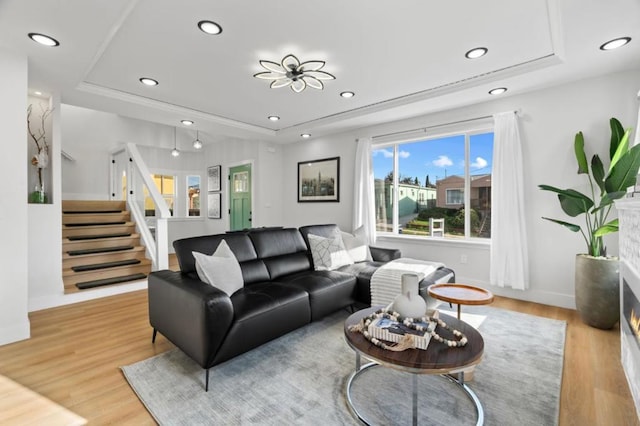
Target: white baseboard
[
  {"x": 54, "y": 300},
  {"x": 531, "y": 295},
  {"x": 15, "y": 332}
]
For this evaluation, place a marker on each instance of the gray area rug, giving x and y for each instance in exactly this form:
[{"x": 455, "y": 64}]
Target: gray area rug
[{"x": 300, "y": 378}]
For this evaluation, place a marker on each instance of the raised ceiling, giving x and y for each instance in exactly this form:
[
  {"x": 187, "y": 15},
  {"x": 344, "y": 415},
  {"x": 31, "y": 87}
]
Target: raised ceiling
[{"x": 400, "y": 58}]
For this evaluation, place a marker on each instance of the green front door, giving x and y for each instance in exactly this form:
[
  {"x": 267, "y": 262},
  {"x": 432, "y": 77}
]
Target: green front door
[{"x": 240, "y": 197}]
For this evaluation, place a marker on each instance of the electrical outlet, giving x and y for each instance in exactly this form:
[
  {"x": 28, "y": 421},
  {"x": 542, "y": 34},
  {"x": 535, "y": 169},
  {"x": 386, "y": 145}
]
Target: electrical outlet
[{"x": 463, "y": 258}]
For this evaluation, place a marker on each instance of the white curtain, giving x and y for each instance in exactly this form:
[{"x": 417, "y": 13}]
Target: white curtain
[
  {"x": 364, "y": 207},
  {"x": 509, "y": 256}
]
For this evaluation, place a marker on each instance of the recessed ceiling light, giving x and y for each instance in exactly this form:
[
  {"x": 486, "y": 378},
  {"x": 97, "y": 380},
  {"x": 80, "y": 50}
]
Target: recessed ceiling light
[
  {"x": 615, "y": 43},
  {"x": 209, "y": 27},
  {"x": 187, "y": 122},
  {"x": 306, "y": 135},
  {"x": 273, "y": 118},
  {"x": 45, "y": 40},
  {"x": 148, "y": 81},
  {"x": 37, "y": 93},
  {"x": 347, "y": 94},
  {"x": 497, "y": 91},
  {"x": 476, "y": 53}
]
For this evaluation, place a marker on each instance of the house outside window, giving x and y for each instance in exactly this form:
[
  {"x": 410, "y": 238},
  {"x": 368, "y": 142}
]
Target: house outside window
[
  {"x": 193, "y": 195},
  {"x": 446, "y": 176},
  {"x": 166, "y": 186}
]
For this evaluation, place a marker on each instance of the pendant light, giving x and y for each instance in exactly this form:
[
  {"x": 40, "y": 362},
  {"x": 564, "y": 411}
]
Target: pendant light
[
  {"x": 197, "y": 144},
  {"x": 174, "y": 151}
]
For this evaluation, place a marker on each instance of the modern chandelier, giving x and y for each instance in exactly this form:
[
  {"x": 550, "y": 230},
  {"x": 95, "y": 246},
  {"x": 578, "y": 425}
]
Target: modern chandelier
[{"x": 290, "y": 72}]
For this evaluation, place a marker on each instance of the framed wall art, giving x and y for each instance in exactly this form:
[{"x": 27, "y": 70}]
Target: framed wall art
[
  {"x": 213, "y": 182},
  {"x": 214, "y": 208},
  {"x": 319, "y": 180}
]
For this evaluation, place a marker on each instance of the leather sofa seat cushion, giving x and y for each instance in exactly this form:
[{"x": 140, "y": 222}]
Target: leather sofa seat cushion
[
  {"x": 328, "y": 290},
  {"x": 287, "y": 264},
  {"x": 263, "y": 312}
]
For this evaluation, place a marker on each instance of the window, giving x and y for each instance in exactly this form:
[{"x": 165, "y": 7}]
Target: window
[
  {"x": 452, "y": 177},
  {"x": 193, "y": 195},
  {"x": 455, "y": 196},
  {"x": 166, "y": 186}
]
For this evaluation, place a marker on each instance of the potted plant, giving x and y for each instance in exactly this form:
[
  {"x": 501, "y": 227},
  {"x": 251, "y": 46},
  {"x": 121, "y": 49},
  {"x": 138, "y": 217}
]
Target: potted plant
[{"x": 596, "y": 274}]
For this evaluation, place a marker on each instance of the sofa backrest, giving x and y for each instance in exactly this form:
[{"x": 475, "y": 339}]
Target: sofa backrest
[
  {"x": 253, "y": 268},
  {"x": 283, "y": 251},
  {"x": 326, "y": 231}
]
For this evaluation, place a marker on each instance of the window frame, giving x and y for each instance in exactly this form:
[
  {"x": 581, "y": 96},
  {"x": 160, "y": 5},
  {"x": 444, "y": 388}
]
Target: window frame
[
  {"x": 186, "y": 195},
  {"x": 480, "y": 126}
]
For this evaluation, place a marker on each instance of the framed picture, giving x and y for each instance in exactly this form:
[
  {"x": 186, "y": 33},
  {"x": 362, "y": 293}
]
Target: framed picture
[
  {"x": 319, "y": 180},
  {"x": 214, "y": 205},
  {"x": 213, "y": 174}
]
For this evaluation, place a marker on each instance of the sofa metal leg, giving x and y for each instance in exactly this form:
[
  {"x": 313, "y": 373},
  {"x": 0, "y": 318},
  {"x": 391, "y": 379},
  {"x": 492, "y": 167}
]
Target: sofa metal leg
[
  {"x": 206, "y": 381},
  {"x": 153, "y": 338}
]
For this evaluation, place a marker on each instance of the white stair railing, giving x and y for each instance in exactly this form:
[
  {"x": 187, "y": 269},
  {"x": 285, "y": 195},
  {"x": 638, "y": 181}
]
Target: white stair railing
[{"x": 139, "y": 179}]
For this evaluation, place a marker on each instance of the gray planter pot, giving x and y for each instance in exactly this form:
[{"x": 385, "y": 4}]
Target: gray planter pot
[{"x": 598, "y": 290}]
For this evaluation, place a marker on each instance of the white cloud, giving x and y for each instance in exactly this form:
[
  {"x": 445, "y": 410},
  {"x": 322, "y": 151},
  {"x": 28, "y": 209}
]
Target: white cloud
[
  {"x": 480, "y": 163},
  {"x": 443, "y": 161},
  {"x": 388, "y": 153}
]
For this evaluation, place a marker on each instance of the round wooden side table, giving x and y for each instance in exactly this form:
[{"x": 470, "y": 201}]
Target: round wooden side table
[{"x": 461, "y": 294}]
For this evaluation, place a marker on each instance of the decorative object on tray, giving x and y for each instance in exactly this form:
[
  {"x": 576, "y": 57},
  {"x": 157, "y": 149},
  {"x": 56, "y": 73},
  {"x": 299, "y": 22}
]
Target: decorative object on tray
[
  {"x": 410, "y": 304},
  {"x": 424, "y": 326},
  {"x": 41, "y": 159}
]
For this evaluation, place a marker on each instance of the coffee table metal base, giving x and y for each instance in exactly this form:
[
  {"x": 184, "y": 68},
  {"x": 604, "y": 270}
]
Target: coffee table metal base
[{"x": 459, "y": 381}]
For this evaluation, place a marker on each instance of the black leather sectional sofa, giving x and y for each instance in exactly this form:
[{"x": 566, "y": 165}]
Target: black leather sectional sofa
[{"x": 281, "y": 293}]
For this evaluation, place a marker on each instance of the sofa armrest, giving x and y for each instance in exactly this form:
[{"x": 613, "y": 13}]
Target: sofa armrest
[
  {"x": 380, "y": 254},
  {"x": 193, "y": 315}
]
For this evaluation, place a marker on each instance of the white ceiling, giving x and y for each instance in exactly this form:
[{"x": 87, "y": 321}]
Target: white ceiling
[{"x": 401, "y": 58}]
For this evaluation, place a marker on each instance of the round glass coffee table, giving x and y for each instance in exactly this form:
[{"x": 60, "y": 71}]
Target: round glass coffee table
[{"x": 436, "y": 359}]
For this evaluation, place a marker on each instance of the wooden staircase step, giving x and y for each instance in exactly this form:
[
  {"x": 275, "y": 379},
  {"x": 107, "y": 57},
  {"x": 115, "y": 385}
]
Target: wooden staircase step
[
  {"x": 70, "y": 231},
  {"x": 68, "y": 218},
  {"x": 71, "y": 278},
  {"x": 103, "y": 257},
  {"x": 133, "y": 240},
  {"x": 105, "y": 265},
  {"x": 97, "y": 237},
  {"x": 83, "y": 212},
  {"x": 74, "y": 225},
  {"x": 107, "y": 281},
  {"x": 98, "y": 250},
  {"x": 93, "y": 205}
]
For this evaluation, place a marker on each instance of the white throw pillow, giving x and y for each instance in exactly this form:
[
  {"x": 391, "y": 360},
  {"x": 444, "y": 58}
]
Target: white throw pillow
[
  {"x": 328, "y": 253},
  {"x": 221, "y": 269},
  {"x": 356, "y": 247}
]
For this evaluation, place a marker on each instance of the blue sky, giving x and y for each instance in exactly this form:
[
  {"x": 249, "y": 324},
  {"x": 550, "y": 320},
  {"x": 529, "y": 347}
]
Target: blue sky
[
  {"x": 437, "y": 157},
  {"x": 193, "y": 181}
]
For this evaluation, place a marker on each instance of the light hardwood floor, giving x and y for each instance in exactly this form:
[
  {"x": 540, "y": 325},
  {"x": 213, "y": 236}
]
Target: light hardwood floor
[{"x": 74, "y": 353}]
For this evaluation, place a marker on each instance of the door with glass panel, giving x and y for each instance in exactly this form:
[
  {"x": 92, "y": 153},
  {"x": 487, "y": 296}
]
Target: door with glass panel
[{"x": 240, "y": 197}]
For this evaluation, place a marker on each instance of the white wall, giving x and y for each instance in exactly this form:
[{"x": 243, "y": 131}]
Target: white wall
[
  {"x": 14, "y": 321},
  {"x": 549, "y": 120},
  {"x": 266, "y": 160}
]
